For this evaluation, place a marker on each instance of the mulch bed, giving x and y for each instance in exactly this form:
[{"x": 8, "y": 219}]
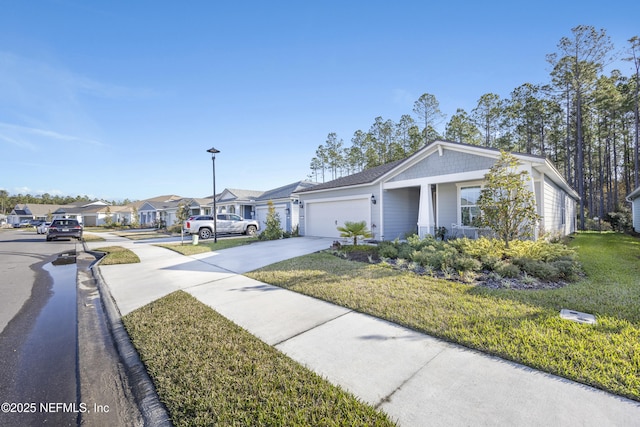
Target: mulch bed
[{"x": 483, "y": 279}]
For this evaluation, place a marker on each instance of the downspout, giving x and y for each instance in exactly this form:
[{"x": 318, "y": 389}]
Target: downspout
[{"x": 381, "y": 210}]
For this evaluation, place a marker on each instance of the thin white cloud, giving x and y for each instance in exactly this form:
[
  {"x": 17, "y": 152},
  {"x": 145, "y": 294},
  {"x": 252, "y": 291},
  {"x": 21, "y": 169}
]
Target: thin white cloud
[
  {"x": 43, "y": 102},
  {"x": 48, "y": 134},
  {"x": 18, "y": 143}
]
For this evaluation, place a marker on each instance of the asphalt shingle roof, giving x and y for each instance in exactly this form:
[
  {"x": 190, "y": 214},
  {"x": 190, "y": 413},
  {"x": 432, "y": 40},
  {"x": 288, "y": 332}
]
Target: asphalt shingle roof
[
  {"x": 365, "y": 177},
  {"x": 286, "y": 190}
]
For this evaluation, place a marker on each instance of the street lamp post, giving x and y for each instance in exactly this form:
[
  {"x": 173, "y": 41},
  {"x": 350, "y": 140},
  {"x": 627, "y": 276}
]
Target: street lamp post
[{"x": 213, "y": 152}]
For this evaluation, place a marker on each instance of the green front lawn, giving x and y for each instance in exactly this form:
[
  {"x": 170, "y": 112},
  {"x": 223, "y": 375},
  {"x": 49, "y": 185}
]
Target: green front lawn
[
  {"x": 208, "y": 245},
  {"x": 117, "y": 255},
  {"x": 209, "y": 371},
  {"x": 521, "y": 325}
]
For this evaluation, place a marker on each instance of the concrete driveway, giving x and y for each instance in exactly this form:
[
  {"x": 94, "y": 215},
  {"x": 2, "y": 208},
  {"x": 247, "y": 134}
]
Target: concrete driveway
[{"x": 162, "y": 271}]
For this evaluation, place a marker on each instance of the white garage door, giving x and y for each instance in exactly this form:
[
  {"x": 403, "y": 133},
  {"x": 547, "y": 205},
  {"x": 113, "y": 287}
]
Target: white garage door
[
  {"x": 263, "y": 211},
  {"x": 322, "y": 218}
]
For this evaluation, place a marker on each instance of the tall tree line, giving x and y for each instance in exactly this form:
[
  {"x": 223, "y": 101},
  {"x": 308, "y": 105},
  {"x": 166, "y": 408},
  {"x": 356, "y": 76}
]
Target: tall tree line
[
  {"x": 8, "y": 202},
  {"x": 585, "y": 121}
]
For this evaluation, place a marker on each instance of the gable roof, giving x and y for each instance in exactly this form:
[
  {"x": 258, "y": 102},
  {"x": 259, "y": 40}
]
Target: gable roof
[
  {"x": 367, "y": 176},
  {"x": 239, "y": 195},
  {"x": 285, "y": 191},
  {"x": 634, "y": 194},
  {"x": 372, "y": 175}
]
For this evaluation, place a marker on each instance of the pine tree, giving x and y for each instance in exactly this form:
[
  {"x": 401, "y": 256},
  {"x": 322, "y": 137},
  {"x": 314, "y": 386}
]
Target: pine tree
[{"x": 272, "y": 229}]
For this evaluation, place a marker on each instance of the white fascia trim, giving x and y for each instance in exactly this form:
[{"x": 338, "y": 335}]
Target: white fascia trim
[{"x": 438, "y": 179}]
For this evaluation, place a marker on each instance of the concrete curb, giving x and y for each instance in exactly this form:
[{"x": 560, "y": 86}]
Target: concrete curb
[{"x": 152, "y": 409}]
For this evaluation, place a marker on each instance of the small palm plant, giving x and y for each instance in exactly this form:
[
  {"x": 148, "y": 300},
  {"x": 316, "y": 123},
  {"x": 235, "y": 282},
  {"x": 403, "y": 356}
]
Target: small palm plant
[{"x": 354, "y": 230}]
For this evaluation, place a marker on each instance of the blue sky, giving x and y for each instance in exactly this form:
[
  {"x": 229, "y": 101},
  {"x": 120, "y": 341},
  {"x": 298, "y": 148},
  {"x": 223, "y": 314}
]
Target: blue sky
[{"x": 122, "y": 99}]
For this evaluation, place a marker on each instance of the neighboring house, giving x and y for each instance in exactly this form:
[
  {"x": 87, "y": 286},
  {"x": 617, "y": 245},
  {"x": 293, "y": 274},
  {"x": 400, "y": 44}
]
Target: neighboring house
[
  {"x": 285, "y": 203},
  {"x": 77, "y": 210},
  {"x": 159, "y": 213},
  {"x": 200, "y": 206},
  {"x": 31, "y": 211},
  {"x": 241, "y": 202},
  {"x": 152, "y": 211},
  {"x": 634, "y": 198},
  {"x": 438, "y": 186},
  {"x": 97, "y": 215}
]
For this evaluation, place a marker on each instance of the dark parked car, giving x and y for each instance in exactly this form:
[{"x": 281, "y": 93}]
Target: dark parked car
[{"x": 64, "y": 228}]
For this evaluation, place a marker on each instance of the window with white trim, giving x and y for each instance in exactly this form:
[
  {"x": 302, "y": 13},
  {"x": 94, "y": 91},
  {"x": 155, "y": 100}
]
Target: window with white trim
[{"x": 469, "y": 210}]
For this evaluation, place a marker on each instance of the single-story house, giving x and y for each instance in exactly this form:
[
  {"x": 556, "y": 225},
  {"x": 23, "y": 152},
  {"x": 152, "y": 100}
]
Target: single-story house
[
  {"x": 237, "y": 201},
  {"x": 438, "y": 186},
  {"x": 22, "y": 212},
  {"x": 97, "y": 215},
  {"x": 47, "y": 212},
  {"x": 285, "y": 203},
  {"x": 200, "y": 206},
  {"x": 150, "y": 211},
  {"x": 634, "y": 198},
  {"x": 77, "y": 210}
]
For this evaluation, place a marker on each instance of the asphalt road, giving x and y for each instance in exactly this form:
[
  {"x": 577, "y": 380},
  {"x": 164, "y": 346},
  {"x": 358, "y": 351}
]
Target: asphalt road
[{"x": 59, "y": 364}]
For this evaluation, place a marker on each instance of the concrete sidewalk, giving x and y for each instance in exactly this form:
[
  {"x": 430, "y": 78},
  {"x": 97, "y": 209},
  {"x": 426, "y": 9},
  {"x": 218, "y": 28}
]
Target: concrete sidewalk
[{"x": 418, "y": 380}]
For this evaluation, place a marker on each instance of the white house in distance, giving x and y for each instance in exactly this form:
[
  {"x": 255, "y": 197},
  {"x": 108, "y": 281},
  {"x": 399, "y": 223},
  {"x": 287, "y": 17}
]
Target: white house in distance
[
  {"x": 634, "y": 198},
  {"x": 438, "y": 186}
]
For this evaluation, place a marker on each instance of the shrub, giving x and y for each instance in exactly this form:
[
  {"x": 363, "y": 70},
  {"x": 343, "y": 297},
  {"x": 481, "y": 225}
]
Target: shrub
[
  {"x": 358, "y": 248},
  {"x": 539, "y": 269},
  {"x": 272, "y": 230},
  {"x": 404, "y": 251},
  {"x": 426, "y": 258},
  {"x": 621, "y": 220},
  {"x": 387, "y": 250},
  {"x": 176, "y": 228},
  {"x": 506, "y": 269},
  {"x": 567, "y": 269},
  {"x": 539, "y": 250},
  {"x": 482, "y": 247},
  {"x": 465, "y": 263},
  {"x": 417, "y": 243}
]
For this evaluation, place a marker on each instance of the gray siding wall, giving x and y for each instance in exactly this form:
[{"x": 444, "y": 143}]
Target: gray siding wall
[
  {"x": 635, "y": 206},
  {"x": 400, "y": 212},
  {"x": 555, "y": 202},
  {"x": 447, "y": 205},
  {"x": 450, "y": 162}
]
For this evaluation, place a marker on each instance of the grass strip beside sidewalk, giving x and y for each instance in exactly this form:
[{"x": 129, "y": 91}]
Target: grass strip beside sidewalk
[
  {"x": 208, "y": 245},
  {"x": 117, "y": 255},
  {"x": 207, "y": 370}
]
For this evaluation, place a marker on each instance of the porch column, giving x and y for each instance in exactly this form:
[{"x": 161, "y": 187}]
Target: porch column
[{"x": 425, "y": 217}]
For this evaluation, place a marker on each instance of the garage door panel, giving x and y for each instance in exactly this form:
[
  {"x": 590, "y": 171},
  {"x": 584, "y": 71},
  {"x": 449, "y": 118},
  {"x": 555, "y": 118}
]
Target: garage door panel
[
  {"x": 323, "y": 218},
  {"x": 263, "y": 211}
]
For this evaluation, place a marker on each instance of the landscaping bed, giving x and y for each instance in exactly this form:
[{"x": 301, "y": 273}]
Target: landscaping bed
[{"x": 485, "y": 262}]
